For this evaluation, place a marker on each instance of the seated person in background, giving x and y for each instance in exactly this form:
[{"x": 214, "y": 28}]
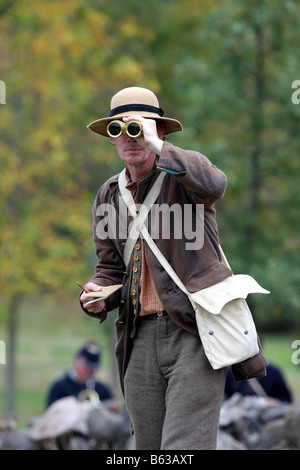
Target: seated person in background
[
  {"x": 81, "y": 377},
  {"x": 272, "y": 386}
]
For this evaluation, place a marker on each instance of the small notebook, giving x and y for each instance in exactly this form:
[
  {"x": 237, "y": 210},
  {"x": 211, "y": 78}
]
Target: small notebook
[{"x": 103, "y": 294}]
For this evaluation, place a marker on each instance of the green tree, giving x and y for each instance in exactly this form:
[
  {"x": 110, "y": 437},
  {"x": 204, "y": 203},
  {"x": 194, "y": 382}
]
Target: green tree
[{"x": 60, "y": 62}]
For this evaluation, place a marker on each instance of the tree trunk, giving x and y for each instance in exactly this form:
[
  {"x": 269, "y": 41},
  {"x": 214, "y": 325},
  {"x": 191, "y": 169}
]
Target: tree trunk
[
  {"x": 257, "y": 125},
  {"x": 10, "y": 406}
]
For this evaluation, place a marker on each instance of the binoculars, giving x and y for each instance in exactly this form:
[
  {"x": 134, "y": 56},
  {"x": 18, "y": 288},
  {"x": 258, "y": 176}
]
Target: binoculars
[{"x": 132, "y": 128}]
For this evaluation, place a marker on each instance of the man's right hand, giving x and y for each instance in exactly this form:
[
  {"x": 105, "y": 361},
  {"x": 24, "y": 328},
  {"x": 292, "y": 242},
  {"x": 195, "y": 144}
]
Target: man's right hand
[{"x": 95, "y": 307}]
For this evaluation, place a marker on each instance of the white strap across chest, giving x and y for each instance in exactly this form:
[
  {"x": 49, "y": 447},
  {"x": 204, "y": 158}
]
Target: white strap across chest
[{"x": 139, "y": 218}]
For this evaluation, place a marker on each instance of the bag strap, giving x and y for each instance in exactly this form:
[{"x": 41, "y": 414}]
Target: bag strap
[
  {"x": 165, "y": 264},
  {"x": 140, "y": 218},
  {"x": 257, "y": 387},
  {"x": 224, "y": 259}
]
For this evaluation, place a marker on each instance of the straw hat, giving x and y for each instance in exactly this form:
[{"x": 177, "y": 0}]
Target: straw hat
[{"x": 135, "y": 100}]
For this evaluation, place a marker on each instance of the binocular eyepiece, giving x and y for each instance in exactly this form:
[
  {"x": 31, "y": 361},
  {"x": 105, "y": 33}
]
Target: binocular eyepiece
[{"x": 132, "y": 128}]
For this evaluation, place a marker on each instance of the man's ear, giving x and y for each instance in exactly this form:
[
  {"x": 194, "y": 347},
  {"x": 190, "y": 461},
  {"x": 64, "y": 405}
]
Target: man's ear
[
  {"x": 161, "y": 131},
  {"x": 113, "y": 140}
]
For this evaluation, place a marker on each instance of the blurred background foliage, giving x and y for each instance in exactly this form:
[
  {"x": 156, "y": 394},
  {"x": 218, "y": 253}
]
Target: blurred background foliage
[{"x": 224, "y": 69}]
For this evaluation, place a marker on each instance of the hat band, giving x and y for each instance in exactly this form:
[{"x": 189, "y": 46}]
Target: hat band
[{"x": 136, "y": 107}]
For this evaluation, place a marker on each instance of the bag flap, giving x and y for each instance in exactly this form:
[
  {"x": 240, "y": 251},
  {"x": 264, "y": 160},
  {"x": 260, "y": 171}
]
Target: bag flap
[{"x": 214, "y": 298}]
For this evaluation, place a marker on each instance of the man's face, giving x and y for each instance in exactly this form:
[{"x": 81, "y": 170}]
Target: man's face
[
  {"x": 83, "y": 372},
  {"x": 131, "y": 152}
]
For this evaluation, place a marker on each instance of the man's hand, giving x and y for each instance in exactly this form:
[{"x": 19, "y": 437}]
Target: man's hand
[
  {"x": 95, "y": 307},
  {"x": 151, "y": 137}
]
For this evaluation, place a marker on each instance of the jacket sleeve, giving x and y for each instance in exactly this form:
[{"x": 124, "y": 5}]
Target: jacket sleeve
[
  {"x": 194, "y": 171},
  {"x": 110, "y": 266}
]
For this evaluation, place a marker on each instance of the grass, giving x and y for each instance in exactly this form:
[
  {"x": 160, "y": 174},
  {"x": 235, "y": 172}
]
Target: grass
[{"x": 49, "y": 334}]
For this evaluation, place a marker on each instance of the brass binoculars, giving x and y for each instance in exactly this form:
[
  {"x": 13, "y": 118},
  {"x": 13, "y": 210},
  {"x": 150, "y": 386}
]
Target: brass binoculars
[{"x": 132, "y": 128}]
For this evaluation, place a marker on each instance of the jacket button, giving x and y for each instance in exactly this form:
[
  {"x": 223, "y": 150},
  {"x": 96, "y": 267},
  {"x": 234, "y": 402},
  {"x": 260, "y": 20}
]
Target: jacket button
[
  {"x": 211, "y": 332},
  {"x": 245, "y": 332}
]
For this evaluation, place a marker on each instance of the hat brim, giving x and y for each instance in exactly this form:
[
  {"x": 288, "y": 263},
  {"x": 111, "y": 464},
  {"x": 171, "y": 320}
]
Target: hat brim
[{"x": 100, "y": 125}]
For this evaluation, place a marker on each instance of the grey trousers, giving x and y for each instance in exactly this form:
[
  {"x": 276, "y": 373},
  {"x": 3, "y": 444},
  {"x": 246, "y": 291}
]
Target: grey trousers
[{"x": 172, "y": 393}]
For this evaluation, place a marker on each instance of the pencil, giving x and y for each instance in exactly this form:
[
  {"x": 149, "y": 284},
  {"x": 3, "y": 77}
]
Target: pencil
[{"x": 81, "y": 286}]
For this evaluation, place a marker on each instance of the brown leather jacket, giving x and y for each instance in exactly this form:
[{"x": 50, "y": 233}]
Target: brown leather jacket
[{"x": 191, "y": 179}]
